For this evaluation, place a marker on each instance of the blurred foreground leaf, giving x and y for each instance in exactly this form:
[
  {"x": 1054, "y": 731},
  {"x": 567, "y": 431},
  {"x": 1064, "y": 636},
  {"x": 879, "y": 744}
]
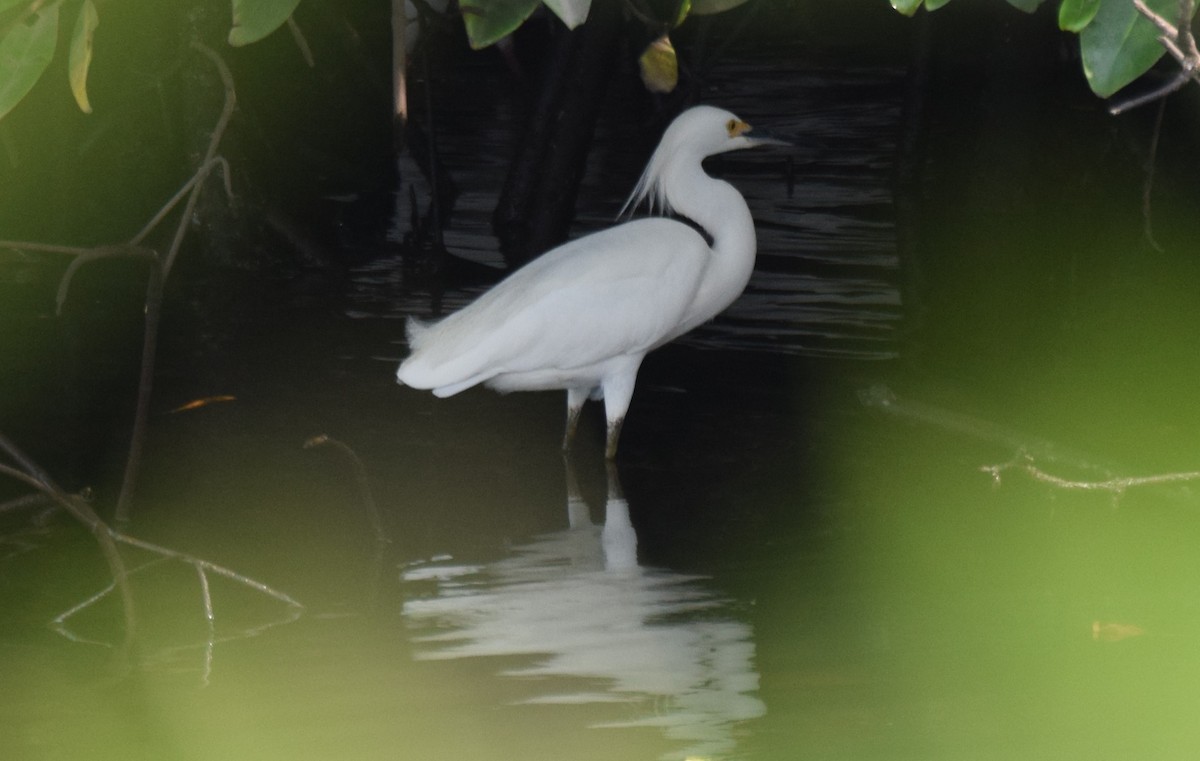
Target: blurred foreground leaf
[
  {"x": 255, "y": 19},
  {"x": 570, "y": 12},
  {"x": 25, "y": 52},
  {"x": 81, "y": 53},
  {"x": 489, "y": 21},
  {"x": 1074, "y": 15},
  {"x": 909, "y": 7},
  {"x": 703, "y": 7}
]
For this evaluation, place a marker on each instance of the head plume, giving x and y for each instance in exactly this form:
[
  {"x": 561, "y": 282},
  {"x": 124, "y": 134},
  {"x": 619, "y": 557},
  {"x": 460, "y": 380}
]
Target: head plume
[{"x": 698, "y": 132}]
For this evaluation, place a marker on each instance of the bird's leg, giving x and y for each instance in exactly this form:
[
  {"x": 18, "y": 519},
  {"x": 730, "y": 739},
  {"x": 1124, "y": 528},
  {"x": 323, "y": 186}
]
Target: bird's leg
[
  {"x": 618, "y": 390},
  {"x": 614, "y": 434},
  {"x": 575, "y": 399}
]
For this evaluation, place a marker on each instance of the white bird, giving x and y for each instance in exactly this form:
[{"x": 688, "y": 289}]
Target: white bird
[{"x": 582, "y": 316}]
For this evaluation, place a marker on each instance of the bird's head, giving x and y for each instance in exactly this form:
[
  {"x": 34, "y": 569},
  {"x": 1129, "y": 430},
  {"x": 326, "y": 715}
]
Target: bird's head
[
  {"x": 697, "y": 133},
  {"x": 708, "y": 130}
]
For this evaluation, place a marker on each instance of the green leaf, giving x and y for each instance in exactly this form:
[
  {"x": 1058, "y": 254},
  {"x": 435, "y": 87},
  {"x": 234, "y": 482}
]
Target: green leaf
[
  {"x": 6, "y": 4},
  {"x": 685, "y": 7},
  {"x": 907, "y": 7},
  {"x": 1074, "y": 15},
  {"x": 1029, "y": 6},
  {"x": 570, "y": 12},
  {"x": 489, "y": 21},
  {"x": 705, "y": 7},
  {"x": 255, "y": 19},
  {"x": 25, "y": 52},
  {"x": 80, "y": 58},
  {"x": 1120, "y": 45},
  {"x": 659, "y": 66}
]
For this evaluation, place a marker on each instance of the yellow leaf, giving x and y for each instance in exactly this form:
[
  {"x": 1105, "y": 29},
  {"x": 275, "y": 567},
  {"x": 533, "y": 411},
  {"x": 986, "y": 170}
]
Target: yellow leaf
[
  {"x": 1114, "y": 632},
  {"x": 80, "y": 58},
  {"x": 660, "y": 69},
  {"x": 196, "y": 404}
]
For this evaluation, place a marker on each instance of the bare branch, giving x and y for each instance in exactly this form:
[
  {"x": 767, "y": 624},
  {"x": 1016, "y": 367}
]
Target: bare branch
[
  {"x": 209, "y": 566},
  {"x": 100, "y": 252},
  {"x": 1176, "y": 82},
  {"x": 200, "y": 176},
  {"x": 81, "y": 511},
  {"x": 1115, "y": 486},
  {"x": 213, "y": 143},
  {"x": 360, "y": 475},
  {"x": 46, "y": 248},
  {"x": 1166, "y": 27}
]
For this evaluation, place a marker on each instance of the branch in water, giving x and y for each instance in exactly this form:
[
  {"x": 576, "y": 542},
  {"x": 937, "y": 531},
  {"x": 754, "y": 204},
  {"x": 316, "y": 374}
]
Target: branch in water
[{"x": 1115, "y": 486}]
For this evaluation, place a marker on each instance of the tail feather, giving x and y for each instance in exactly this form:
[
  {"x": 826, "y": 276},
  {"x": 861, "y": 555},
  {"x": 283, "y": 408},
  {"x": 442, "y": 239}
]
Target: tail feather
[
  {"x": 429, "y": 366},
  {"x": 416, "y": 331}
]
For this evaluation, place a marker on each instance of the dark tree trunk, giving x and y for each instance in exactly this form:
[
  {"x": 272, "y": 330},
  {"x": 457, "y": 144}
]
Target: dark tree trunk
[{"x": 537, "y": 203}]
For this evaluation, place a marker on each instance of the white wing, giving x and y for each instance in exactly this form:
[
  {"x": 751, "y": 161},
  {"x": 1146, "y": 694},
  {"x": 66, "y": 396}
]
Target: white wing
[{"x": 616, "y": 292}]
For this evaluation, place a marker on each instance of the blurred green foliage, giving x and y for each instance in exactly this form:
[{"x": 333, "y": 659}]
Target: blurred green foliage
[
  {"x": 29, "y": 32},
  {"x": 1117, "y": 42}
]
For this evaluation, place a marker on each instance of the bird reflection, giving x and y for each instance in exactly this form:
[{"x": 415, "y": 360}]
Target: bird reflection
[{"x": 578, "y": 603}]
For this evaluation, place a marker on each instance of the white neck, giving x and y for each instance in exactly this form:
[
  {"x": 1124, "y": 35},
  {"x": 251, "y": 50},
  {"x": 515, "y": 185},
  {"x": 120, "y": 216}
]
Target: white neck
[{"x": 719, "y": 209}]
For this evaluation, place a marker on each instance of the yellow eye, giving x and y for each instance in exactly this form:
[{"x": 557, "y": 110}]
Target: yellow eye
[{"x": 731, "y": 126}]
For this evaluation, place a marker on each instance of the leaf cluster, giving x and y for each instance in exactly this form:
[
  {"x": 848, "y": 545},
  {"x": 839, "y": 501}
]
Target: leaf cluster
[
  {"x": 490, "y": 21},
  {"x": 1117, "y": 43},
  {"x": 30, "y": 30}
]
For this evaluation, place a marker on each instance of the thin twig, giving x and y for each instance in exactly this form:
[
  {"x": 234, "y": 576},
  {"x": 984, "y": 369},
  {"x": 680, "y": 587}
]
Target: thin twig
[
  {"x": 154, "y": 287},
  {"x": 360, "y": 476},
  {"x": 200, "y": 175},
  {"x": 207, "y": 565},
  {"x": 1148, "y": 184},
  {"x": 46, "y": 248},
  {"x": 85, "y": 515},
  {"x": 210, "y": 643},
  {"x": 27, "y": 464},
  {"x": 1115, "y": 486},
  {"x": 118, "y": 251},
  {"x": 20, "y": 503},
  {"x": 1176, "y": 82},
  {"x": 59, "y": 622},
  {"x": 209, "y": 155},
  {"x": 141, "y": 413}
]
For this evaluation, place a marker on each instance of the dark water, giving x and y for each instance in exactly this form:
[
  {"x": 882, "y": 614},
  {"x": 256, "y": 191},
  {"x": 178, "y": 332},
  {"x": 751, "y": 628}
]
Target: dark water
[{"x": 787, "y": 561}]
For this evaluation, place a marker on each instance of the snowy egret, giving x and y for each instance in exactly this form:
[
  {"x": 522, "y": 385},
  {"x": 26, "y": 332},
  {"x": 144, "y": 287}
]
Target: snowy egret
[{"x": 583, "y": 316}]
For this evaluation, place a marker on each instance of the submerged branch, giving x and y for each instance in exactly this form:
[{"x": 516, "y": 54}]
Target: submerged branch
[
  {"x": 29, "y": 473},
  {"x": 202, "y": 568},
  {"x": 207, "y": 565},
  {"x": 36, "y": 478},
  {"x": 360, "y": 476},
  {"x": 880, "y": 397},
  {"x": 1116, "y": 485}
]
